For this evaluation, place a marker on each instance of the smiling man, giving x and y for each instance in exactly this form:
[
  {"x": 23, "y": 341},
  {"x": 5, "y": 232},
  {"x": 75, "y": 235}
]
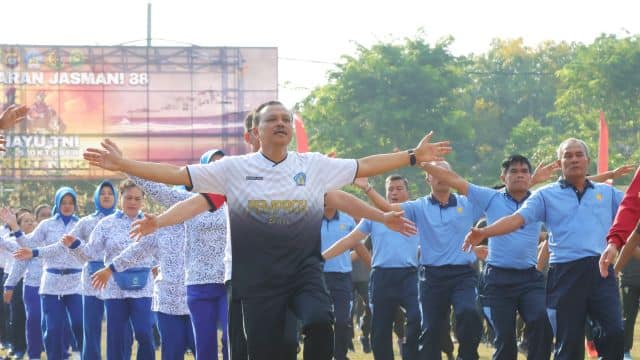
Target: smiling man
[{"x": 275, "y": 199}]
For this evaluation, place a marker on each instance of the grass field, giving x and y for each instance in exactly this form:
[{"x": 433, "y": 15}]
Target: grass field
[{"x": 484, "y": 350}]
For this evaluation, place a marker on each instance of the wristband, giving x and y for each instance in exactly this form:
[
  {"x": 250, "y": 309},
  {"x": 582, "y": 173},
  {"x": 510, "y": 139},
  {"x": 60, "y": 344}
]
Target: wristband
[
  {"x": 412, "y": 156},
  {"x": 369, "y": 188}
]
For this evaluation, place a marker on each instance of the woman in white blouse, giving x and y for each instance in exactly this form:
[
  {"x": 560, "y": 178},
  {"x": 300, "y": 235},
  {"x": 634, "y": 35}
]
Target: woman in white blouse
[
  {"x": 60, "y": 287},
  {"x": 127, "y": 295}
]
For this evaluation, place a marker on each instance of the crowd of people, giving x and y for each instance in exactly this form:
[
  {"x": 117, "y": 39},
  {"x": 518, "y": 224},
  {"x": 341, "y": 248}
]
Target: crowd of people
[{"x": 262, "y": 247}]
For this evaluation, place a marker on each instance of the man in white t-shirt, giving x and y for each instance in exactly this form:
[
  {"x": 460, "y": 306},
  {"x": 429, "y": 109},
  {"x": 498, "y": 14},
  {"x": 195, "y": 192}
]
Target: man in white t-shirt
[{"x": 275, "y": 200}]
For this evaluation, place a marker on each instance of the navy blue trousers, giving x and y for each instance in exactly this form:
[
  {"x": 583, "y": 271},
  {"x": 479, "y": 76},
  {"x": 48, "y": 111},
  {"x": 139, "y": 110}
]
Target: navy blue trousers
[
  {"x": 208, "y": 307},
  {"x": 56, "y": 311},
  {"x": 575, "y": 289},
  {"x": 33, "y": 326},
  {"x": 121, "y": 315},
  {"x": 440, "y": 288},
  {"x": 389, "y": 289},
  {"x": 92, "y": 314},
  {"x": 340, "y": 290},
  {"x": 503, "y": 292},
  {"x": 176, "y": 333}
]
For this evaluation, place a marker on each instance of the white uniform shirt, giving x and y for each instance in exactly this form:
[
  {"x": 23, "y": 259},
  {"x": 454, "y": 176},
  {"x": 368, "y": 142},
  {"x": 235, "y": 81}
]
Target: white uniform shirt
[{"x": 275, "y": 212}]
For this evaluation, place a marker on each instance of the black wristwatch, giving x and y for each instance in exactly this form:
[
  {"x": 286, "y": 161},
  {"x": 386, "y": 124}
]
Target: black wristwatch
[{"x": 412, "y": 156}]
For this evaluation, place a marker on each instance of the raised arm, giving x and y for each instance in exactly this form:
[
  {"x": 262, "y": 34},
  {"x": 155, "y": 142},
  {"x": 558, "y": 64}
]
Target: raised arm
[
  {"x": 176, "y": 214},
  {"x": 612, "y": 174},
  {"x": 109, "y": 158},
  {"x": 447, "y": 176},
  {"x": 425, "y": 151},
  {"x": 503, "y": 226},
  {"x": 359, "y": 209},
  {"x": 378, "y": 200},
  {"x": 348, "y": 242},
  {"x": 161, "y": 193},
  {"x": 11, "y": 115}
]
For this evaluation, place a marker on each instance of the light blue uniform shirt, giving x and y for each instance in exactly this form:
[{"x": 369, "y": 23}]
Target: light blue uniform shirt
[
  {"x": 442, "y": 228},
  {"x": 516, "y": 250},
  {"x": 579, "y": 224},
  {"x": 333, "y": 230},
  {"x": 390, "y": 248}
]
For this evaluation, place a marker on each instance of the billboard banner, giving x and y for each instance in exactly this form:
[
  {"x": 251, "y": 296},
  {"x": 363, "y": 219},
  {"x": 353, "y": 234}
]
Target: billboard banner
[{"x": 163, "y": 104}]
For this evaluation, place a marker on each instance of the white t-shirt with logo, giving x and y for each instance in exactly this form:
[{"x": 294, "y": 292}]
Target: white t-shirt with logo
[{"x": 275, "y": 213}]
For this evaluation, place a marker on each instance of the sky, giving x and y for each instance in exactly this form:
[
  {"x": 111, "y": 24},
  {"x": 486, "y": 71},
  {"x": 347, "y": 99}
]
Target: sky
[{"x": 312, "y": 36}]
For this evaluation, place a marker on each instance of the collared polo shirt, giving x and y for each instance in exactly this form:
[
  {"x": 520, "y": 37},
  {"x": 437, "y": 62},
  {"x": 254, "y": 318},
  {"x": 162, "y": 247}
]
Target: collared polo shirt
[
  {"x": 578, "y": 221},
  {"x": 516, "y": 250},
  {"x": 333, "y": 230},
  {"x": 442, "y": 228},
  {"x": 390, "y": 248}
]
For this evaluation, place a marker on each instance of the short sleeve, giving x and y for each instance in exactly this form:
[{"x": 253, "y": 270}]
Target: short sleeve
[
  {"x": 411, "y": 209},
  {"x": 209, "y": 178},
  {"x": 336, "y": 173},
  {"x": 533, "y": 209},
  {"x": 480, "y": 196},
  {"x": 364, "y": 226}
]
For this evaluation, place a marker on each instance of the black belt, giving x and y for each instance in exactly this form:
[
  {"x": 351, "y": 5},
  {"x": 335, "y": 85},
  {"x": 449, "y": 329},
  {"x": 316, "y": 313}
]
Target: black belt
[{"x": 64, "y": 271}]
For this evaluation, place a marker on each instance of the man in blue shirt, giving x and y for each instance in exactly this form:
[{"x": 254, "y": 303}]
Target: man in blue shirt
[
  {"x": 581, "y": 280},
  {"x": 446, "y": 273},
  {"x": 510, "y": 281},
  {"x": 337, "y": 275},
  {"x": 394, "y": 279}
]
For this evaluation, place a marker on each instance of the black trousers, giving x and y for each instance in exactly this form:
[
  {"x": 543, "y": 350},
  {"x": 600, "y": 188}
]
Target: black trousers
[
  {"x": 340, "y": 289},
  {"x": 265, "y": 319},
  {"x": 237, "y": 340},
  {"x": 630, "y": 302}
]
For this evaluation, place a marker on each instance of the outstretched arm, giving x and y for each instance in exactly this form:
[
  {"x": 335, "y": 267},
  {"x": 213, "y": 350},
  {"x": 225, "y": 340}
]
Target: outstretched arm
[
  {"x": 109, "y": 158},
  {"x": 377, "y": 199},
  {"x": 425, "y": 151},
  {"x": 176, "y": 214},
  {"x": 447, "y": 176},
  {"x": 11, "y": 115},
  {"x": 348, "y": 242},
  {"x": 359, "y": 209},
  {"x": 612, "y": 174},
  {"x": 503, "y": 226}
]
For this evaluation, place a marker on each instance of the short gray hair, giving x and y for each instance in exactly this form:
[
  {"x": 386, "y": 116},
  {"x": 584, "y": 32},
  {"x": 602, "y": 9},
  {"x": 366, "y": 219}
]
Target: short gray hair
[{"x": 568, "y": 141}]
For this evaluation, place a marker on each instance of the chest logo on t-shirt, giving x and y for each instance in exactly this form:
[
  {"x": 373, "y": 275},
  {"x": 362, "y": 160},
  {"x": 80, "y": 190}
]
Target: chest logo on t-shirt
[
  {"x": 599, "y": 197},
  {"x": 459, "y": 209},
  {"x": 300, "y": 179}
]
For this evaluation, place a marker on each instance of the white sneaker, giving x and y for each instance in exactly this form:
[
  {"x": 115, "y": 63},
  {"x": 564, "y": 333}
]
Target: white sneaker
[
  {"x": 75, "y": 355},
  {"x": 627, "y": 356}
]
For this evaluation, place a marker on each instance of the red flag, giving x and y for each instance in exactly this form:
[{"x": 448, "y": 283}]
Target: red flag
[
  {"x": 301, "y": 134},
  {"x": 603, "y": 145}
]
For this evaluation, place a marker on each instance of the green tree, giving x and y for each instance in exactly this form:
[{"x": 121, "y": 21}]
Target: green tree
[
  {"x": 603, "y": 76},
  {"x": 387, "y": 97}
]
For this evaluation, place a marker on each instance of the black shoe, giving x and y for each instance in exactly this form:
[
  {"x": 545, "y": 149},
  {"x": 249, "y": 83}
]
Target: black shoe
[{"x": 366, "y": 345}]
